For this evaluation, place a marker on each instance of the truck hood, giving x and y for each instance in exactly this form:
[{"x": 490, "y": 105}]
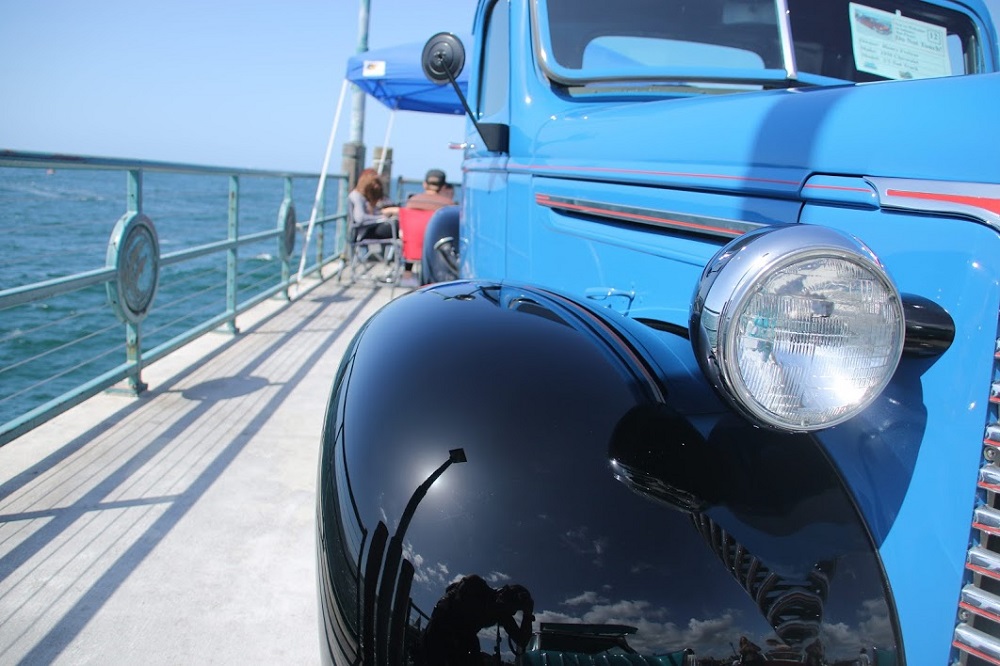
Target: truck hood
[{"x": 774, "y": 141}]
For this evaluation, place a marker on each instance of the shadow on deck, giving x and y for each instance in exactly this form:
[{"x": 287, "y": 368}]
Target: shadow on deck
[{"x": 178, "y": 527}]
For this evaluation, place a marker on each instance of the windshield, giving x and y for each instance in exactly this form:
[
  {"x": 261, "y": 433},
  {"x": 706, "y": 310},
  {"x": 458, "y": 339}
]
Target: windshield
[{"x": 713, "y": 42}]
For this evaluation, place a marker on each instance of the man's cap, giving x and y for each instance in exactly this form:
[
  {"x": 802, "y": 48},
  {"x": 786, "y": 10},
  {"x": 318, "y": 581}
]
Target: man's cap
[{"x": 435, "y": 177}]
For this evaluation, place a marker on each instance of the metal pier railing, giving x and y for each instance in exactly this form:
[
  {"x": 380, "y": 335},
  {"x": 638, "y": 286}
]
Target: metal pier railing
[{"x": 112, "y": 264}]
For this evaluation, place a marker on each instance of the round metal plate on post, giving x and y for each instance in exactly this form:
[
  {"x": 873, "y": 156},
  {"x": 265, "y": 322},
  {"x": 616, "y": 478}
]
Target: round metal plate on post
[
  {"x": 288, "y": 223},
  {"x": 134, "y": 252}
]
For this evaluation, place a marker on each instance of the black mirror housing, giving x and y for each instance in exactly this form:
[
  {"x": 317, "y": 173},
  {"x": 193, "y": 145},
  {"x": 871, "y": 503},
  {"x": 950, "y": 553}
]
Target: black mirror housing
[{"x": 443, "y": 57}]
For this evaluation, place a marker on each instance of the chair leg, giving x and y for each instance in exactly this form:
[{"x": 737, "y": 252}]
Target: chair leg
[
  {"x": 392, "y": 263},
  {"x": 360, "y": 262},
  {"x": 357, "y": 262},
  {"x": 395, "y": 268},
  {"x": 352, "y": 264}
]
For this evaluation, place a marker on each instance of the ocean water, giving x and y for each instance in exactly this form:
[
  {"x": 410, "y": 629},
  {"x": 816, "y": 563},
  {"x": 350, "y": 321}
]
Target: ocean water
[{"x": 58, "y": 223}]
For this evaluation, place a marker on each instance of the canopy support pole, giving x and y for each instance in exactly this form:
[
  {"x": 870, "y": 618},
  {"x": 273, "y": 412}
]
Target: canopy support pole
[
  {"x": 385, "y": 142},
  {"x": 322, "y": 181}
]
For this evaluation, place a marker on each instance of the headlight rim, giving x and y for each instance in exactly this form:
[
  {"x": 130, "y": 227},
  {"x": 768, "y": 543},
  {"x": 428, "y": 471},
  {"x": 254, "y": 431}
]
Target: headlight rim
[{"x": 725, "y": 289}]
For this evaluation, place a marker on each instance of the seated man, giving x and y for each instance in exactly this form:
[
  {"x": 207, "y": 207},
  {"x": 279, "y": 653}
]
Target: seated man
[
  {"x": 448, "y": 191},
  {"x": 431, "y": 198}
]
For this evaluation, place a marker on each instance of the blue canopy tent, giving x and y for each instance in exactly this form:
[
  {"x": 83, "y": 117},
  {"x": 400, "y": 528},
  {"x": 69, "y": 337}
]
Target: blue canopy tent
[{"x": 395, "y": 77}]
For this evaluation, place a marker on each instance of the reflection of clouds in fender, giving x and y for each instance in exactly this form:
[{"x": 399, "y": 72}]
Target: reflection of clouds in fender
[
  {"x": 585, "y": 598},
  {"x": 875, "y": 623},
  {"x": 873, "y": 628},
  {"x": 706, "y": 636},
  {"x": 435, "y": 575},
  {"x": 582, "y": 544},
  {"x": 653, "y": 637},
  {"x": 656, "y": 631},
  {"x": 439, "y": 576}
]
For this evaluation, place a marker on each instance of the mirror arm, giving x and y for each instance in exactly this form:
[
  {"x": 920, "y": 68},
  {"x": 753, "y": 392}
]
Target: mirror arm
[
  {"x": 439, "y": 57},
  {"x": 491, "y": 145}
]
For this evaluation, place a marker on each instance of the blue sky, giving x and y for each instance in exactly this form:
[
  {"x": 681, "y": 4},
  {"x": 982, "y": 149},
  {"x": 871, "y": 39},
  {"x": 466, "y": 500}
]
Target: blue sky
[{"x": 249, "y": 83}]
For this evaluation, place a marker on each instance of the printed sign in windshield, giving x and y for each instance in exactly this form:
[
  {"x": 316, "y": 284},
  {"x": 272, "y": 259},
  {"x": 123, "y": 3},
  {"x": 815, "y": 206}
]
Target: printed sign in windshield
[{"x": 897, "y": 47}]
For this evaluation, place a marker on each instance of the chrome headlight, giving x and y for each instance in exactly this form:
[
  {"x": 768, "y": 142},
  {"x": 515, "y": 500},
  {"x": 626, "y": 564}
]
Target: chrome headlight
[{"x": 798, "y": 326}]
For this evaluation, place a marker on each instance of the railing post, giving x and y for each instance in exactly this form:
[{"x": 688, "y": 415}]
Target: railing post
[
  {"x": 320, "y": 214},
  {"x": 342, "y": 212},
  {"x": 133, "y": 332},
  {"x": 133, "y": 195},
  {"x": 133, "y": 352},
  {"x": 232, "y": 255},
  {"x": 286, "y": 240}
]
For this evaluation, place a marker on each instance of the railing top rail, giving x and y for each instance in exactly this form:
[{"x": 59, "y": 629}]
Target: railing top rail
[{"x": 16, "y": 158}]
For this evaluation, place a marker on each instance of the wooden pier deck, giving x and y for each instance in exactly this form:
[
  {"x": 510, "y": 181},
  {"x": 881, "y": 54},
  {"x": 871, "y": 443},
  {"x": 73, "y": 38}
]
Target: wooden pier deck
[{"x": 177, "y": 528}]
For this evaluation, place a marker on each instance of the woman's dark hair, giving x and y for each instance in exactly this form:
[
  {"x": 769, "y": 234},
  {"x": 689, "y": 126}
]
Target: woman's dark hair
[{"x": 370, "y": 186}]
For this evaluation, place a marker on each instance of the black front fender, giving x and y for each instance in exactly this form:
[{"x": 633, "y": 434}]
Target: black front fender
[{"x": 513, "y": 434}]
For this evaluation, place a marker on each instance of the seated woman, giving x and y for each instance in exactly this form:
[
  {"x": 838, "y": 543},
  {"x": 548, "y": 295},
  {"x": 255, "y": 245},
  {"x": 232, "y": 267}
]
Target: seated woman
[{"x": 367, "y": 220}]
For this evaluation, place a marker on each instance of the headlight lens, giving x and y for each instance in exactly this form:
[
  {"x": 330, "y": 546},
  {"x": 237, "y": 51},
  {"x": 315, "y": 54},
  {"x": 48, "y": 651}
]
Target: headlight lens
[{"x": 799, "y": 326}]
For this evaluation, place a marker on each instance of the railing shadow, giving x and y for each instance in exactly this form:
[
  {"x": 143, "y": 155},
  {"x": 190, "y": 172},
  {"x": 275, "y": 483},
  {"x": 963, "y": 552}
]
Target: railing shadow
[{"x": 248, "y": 380}]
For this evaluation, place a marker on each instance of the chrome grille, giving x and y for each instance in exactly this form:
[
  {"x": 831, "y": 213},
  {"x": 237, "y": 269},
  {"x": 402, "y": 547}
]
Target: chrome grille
[{"x": 977, "y": 635}]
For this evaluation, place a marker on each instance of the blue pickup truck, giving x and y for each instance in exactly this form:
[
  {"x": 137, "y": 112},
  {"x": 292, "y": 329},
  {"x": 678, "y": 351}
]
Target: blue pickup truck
[{"x": 719, "y": 358}]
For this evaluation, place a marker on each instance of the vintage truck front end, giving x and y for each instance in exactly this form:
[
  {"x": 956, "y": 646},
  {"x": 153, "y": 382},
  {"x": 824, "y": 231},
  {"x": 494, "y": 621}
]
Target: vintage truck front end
[{"x": 721, "y": 363}]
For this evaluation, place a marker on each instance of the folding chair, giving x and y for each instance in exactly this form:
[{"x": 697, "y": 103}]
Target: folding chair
[
  {"x": 412, "y": 224},
  {"x": 378, "y": 260}
]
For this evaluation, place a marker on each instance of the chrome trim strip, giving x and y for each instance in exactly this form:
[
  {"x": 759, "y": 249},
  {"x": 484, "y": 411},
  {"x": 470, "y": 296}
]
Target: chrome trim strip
[
  {"x": 992, "y": 434},
  {"x": 699, "y": 224},
  {"x": 979, "y": 201},
  {"x": 984, "y": 561},
  {"x": 977, "y": 643},
  {"x": 989, "y": 477},
  {"x": 764, "y": 77},
  {"x": 987, "y": 519},
  {"x": 785, "y": 34},
  {"x": 981, "y": 602},
  {"x": 536, "y": 38}
]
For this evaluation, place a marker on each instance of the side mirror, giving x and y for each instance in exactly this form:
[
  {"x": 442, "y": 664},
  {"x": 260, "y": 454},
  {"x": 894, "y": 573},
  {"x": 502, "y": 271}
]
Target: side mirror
[
  {"x": 443, "y": 57},
  {"x": 442, "y": 60}
]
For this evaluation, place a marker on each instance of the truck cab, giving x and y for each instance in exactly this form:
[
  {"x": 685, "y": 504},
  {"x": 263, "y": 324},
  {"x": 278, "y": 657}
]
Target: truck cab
[{"x": 719, "y": 362}]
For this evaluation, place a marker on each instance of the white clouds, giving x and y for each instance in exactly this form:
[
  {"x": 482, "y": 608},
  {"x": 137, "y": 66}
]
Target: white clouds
[
  {"x": 585, "y": 598},
  {"x": 656, "y": 633},
  {"x": 580, "y": 542},
  {"x": 659, "y": 626},
  {"x": 433, "y": 575}
]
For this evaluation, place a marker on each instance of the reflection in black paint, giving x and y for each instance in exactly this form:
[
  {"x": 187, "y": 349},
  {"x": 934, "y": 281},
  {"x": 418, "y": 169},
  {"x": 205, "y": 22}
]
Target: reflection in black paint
[
  {"x": 386, "y": 612},
  {"x": 545, "y": 400},
  {"x": 758, "y": 484},
  {"x": 469, "y": 605}
]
